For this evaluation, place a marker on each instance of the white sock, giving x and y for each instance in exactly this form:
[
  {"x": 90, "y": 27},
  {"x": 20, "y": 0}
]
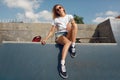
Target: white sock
[
  {"x": 63, "y": 62},
  {"x": 73, "y": 44}
]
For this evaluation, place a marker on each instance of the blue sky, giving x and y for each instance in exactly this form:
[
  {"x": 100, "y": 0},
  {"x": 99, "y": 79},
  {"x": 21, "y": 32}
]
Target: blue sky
[{"x": 93, "y": 11}]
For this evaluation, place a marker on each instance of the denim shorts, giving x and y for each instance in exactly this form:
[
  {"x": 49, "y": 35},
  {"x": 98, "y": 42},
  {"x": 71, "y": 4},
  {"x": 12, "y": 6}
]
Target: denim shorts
[{"x": 58, "y": 34}]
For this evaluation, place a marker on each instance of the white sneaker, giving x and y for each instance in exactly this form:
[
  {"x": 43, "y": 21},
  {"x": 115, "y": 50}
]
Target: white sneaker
[
  {"x": 63, "y": 72},
  {"x": 73, "y": 52}
]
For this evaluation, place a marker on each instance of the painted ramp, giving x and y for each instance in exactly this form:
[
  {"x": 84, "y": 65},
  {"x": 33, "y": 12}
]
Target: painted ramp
[{"x": 32, "y": 61}]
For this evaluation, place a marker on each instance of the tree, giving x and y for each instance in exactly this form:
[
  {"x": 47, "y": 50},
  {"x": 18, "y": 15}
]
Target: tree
[{"x": 78, "y": 19}]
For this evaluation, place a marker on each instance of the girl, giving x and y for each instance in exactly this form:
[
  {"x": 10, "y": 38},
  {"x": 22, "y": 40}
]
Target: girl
[{"x": 66, "y": 31}]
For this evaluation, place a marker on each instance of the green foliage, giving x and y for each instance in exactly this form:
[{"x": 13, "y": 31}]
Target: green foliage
[{"x": 78, "y": 19}]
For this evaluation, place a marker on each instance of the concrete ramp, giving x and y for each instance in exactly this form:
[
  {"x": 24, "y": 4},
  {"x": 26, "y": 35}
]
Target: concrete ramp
[
  {"x": 115, "y": 24},
  {"x": 32, "y": 61},
  {"x": 37, "y": 62}
]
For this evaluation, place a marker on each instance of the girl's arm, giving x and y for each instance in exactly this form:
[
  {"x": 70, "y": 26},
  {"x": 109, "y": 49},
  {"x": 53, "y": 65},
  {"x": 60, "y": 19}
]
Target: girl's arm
[
  {"x": 52, "y": 30},
  {"x": 73, "y": 23}
]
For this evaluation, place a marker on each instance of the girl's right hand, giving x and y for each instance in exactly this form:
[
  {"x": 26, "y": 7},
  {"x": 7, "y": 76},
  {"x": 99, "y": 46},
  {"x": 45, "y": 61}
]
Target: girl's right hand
[{"x": 43, "y": 42}]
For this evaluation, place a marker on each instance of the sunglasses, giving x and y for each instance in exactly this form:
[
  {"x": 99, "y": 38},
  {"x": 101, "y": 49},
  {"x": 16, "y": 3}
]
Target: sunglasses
[{"x": 58, "y": 8}]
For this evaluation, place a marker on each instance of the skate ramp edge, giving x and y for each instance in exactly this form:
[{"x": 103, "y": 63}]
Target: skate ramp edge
[{"x": 25, "y": 42}]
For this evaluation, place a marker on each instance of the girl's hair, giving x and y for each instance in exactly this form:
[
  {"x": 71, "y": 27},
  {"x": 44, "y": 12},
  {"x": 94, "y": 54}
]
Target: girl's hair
[{"x": 54, "y": 12}]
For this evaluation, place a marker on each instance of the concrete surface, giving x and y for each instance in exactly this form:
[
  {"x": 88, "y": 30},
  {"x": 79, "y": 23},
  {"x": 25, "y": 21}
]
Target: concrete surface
[
  {"x": 26, "y": 31},
  {"x": 32, "y": 61},
  {"x": 87, "y": 33}
]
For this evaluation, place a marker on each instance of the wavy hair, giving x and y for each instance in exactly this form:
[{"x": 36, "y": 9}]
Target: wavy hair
[{"x": 55, "y": 13}]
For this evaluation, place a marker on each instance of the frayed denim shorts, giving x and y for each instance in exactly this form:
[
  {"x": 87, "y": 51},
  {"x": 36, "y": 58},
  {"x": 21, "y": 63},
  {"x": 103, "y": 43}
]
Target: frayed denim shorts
[{"x": 58, "y": 34}]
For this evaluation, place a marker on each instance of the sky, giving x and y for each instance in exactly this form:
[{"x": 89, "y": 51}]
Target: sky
[{"x": 92, "y": 11}]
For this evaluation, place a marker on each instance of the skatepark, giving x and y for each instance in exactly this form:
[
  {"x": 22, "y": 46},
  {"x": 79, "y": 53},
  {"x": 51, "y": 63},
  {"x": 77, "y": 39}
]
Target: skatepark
[{"x": 98, "y": 51}]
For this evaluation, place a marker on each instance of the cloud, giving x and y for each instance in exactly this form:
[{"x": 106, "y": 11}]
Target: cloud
[
  {"x": 45, "y": 15},
  {"x": 31, "y": 15},
  {"x": 23, "y": 4},
  {"x": 29, "y": 7},
  {"x": 100, "y": 17},
  {"x": 112, "y": 13}
]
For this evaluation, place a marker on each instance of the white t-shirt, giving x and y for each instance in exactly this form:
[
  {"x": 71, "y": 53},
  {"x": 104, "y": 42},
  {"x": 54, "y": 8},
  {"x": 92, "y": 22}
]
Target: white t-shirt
[{"x": 61, "y": 22}]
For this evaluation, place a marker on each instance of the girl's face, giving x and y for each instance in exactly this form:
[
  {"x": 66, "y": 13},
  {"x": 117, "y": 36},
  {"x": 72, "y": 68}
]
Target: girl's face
[{"x": 59, "y": 10}]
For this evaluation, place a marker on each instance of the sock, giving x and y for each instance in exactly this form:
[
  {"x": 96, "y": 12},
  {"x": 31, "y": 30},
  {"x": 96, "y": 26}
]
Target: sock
[
  {"x": 73, "y": 44},
  {"x": 63, "y": 62}
]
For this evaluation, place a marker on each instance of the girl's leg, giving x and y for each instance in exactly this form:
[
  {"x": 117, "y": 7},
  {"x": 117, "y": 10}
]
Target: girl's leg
[
  {"x": 66, "y": 44},
  {"x": 72, "y": 33}
]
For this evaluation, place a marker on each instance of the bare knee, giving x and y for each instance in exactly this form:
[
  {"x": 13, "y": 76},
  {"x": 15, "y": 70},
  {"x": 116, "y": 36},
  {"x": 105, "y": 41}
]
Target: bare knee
[{"x": 63, "y": 40}]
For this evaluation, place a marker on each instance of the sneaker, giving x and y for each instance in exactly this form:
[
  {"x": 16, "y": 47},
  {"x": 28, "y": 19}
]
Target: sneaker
[
  {"x": 72, "y": 52},
  {"x": 63, "y": 72}
]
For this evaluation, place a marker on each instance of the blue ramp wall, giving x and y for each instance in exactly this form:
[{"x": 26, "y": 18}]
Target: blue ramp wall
[{"x": 37, "y": 62}]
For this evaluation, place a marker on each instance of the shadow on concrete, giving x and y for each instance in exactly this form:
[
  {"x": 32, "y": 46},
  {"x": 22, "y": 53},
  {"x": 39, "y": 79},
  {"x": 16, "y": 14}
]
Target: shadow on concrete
[{"x": 59, "y": 55}]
